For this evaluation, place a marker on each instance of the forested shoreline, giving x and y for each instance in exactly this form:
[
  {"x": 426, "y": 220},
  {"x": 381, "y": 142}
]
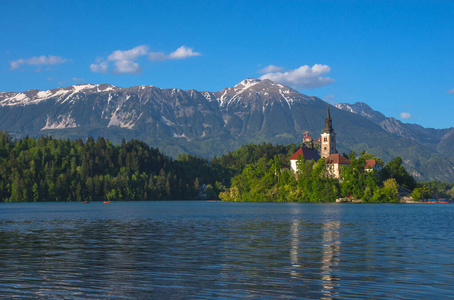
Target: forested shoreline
[
  {"x": 48, "y": 169},
  {"x": 269, "y": 180}
]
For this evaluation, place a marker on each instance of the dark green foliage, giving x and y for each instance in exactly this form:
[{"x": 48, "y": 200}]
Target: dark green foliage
[
  {"x": 49, "y": 169},
  {"x": 394, "y": 169},
  {"x": 251, "y": 153},
  {"x": 436, "y": 189}
]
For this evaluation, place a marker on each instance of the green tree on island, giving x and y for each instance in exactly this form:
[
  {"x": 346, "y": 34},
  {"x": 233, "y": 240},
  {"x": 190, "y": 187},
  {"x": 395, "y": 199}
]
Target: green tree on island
[{"x": 270, "y": 181}]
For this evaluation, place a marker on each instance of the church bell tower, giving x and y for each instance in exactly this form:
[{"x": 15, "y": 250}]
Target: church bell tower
[{"x": 328, "y": 138}]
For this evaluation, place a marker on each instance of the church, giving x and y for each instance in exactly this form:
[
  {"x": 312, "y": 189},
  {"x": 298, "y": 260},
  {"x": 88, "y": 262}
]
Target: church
[{"x": 327, "y": 145}]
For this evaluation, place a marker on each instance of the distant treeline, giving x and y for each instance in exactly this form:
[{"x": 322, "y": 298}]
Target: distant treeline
[{"x": 47, "y": 169}]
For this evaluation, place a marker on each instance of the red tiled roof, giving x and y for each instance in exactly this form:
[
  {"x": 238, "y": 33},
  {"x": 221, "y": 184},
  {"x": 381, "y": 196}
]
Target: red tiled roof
[
  {"x": 337, "y": 159},
  {"x": 307, "y": 138},
  {"x": 370, "y": 164},
  {"x": 306, "y": 153}
]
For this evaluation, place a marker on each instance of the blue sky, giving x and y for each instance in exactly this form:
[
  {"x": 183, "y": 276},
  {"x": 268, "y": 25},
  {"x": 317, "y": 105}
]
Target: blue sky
[{"x": 396, "y": 56}]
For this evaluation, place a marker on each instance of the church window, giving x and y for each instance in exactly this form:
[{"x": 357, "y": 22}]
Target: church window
[
  {"x": 325, "y": 139},
  {"x": 325, "y": 148}
]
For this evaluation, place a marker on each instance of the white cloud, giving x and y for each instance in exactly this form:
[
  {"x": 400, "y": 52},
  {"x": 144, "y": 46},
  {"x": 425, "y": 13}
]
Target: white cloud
[
  {"x": 451, "y": 91},
  {"x": 271, "y": 69},
  {"x": 78, "y": 79},
  {"x": 127, "y": 67},
  {"x": 304, "y": 77},
  {"x": 37, "y": 61},
  {"x": 405, "y": 115},
  {"x": 157, "y": 56},
  {"x": 125, "y": 62},
  {"x": 99, "y": 68},
  {"x": 181, "y": 53},
  {"x": 132, "y": 54},
  {"x": 329, "y": 98},
  {"x": 16, "y": 63}
]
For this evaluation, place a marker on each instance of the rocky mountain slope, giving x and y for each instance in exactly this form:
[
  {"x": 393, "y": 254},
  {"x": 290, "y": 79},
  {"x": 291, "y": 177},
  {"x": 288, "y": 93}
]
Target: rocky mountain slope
[
  {"x": 213, "y": 123},
  {"x": 441, "y": 140}
]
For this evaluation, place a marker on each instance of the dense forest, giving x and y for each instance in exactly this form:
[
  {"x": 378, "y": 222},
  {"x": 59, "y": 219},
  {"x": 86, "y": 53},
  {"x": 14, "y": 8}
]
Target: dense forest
[{"x": 47, "y": 169}]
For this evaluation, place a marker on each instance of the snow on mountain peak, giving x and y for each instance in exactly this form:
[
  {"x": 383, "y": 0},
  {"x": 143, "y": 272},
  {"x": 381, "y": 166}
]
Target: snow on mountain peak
[
  {"x": 81, "y": 87},
  {"x": 264, "y": 89},
  {"x": 245, "y": 84},
  {"x": 62, "y": 94},
  {"x": 362, "y": 109},
  {"x": 92, "y": 87},
  {"x": 250, "y": 90}
]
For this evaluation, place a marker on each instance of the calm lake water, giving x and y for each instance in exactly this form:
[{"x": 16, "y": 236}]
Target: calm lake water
[{"x": 204, "y": 250}]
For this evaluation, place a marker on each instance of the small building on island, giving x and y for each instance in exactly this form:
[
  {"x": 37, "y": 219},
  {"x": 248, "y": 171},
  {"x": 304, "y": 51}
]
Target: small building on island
[
  {"x": 334, "y": 163},
  {"x": 303, "y": 152},
  {"x": 327, "y": 149},
  {"x": 327, "y": 145},
  {"x": 372, "y": 164}
]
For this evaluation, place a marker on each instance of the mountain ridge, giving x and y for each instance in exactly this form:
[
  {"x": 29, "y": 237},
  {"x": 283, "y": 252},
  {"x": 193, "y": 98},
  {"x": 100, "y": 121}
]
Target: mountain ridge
[
  {"x": 209, "y": 123},
  {"x": 431, "y": 137}
]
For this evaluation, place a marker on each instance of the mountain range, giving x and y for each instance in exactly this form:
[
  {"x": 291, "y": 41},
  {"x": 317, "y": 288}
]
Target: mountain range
[
  {"x": 442, "y": 140},
  {"x": 212, "y": 123}
]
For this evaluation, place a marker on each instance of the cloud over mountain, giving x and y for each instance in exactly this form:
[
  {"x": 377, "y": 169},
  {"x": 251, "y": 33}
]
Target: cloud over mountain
[
  {"x": 127, "y": 67},
  {"x": 132, "y": 54},
  {"x": 37, "y": 61},
  {"x": 180, "y": 53},
  {"x": 125, "y": 61},
  {"x": 271, "y": 69},
  {"x": 405, "y": 115},
  {"x": 304, "y": 77},
  {"x": 451, "y": 91}
]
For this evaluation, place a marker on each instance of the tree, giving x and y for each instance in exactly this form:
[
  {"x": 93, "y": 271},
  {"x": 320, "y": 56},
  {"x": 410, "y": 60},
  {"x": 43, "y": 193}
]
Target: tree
[
  {"x": 394, "y": 169},
  {"x": 16, "y": 191},
  {"x": 391, "y": 190},
  {"x": 35, "y": 191},
  {"x": 427, "y": 191},
  {"x": 354, "y": 177},
  {"x": 112, "y": 195},
  {"x": 451, "y": 193},
  {"x": 416, "y": 194}
]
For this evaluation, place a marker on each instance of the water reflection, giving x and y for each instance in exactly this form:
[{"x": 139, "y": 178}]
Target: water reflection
[
  {"x": 294, "y": 244},
  {"x": 330, "y": 258},
  {"x": 227, "y": 250},
  {"x": 328, "y": 246}
]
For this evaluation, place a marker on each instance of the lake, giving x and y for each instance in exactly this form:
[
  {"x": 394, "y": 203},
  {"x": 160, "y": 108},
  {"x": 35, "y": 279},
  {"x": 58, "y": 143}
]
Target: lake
[{"x": 205, "y": 250}]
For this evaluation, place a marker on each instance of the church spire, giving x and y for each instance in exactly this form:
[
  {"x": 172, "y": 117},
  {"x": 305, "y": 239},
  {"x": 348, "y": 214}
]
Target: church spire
[
  {"x": 328, "y": 138},
  {"x": 328, "y": 123}
]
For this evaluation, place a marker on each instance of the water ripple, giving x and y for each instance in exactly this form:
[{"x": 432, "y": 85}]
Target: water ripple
[{"x": 204, "y": 250}]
